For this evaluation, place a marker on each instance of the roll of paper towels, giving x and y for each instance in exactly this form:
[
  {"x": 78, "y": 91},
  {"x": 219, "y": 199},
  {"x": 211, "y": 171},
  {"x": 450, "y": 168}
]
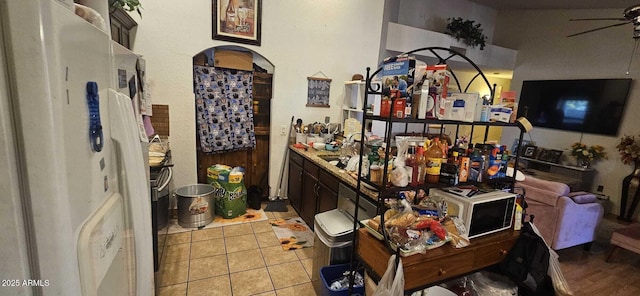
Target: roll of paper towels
[{"x": 524, "y": 124}]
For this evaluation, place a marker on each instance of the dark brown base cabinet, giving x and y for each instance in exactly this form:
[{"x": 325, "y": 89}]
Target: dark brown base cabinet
[
  {"x": 294, "y": 189},
  {"x": 311, "y": 189}
]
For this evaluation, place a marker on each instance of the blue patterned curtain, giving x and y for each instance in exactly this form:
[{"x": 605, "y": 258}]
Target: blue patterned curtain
[{"x": 224, "y": 109}]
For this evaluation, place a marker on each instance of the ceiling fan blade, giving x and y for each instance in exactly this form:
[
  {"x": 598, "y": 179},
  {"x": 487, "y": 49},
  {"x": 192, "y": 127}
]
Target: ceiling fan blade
[
  {"x": 599, "y": 19},
  {"x": 598, "y": 29}
]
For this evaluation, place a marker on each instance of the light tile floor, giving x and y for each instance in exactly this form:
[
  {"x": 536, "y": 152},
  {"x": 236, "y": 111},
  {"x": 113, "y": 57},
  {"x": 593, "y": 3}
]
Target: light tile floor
[{"x": 238, "y": 260}]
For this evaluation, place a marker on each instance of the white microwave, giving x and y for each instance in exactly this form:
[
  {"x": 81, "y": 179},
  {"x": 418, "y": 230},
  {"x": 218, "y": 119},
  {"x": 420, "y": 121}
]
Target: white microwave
[{"x": 482, "y": 213}]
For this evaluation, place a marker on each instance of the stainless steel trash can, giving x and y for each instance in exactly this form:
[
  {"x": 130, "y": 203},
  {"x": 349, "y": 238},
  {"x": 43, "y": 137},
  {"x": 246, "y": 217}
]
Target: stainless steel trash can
[
  {"x": 195, "y": 203},
  {"x": 332, "y": 244}
]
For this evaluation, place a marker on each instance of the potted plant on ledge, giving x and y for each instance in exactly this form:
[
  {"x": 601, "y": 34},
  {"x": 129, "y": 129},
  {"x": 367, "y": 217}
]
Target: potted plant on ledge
[{"x": 470, "y": 33}]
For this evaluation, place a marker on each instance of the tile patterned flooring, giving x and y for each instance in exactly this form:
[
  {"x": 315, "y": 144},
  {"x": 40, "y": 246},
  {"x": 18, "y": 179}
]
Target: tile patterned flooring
[{"x": 238, "y": 260}]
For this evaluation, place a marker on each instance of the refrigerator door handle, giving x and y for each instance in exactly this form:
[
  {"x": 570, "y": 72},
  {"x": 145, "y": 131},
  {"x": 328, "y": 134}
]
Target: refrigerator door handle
[{"x": 124, "y": 131}]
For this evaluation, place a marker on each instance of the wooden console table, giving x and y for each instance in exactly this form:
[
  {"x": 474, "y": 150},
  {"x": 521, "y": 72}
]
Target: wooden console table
[
  {"x": 440, "y": 264},
  {"x": 577, "y": 178}
]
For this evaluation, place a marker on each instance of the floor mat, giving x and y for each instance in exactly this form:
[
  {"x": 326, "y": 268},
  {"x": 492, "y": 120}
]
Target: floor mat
[
  {"x": 293, "y": 233},
  {"x": 251, "y": 216},
  {"x": 277, "y": 205}
]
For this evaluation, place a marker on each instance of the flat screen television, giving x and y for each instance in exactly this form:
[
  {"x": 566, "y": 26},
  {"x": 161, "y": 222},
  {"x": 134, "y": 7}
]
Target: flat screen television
[{"x": 594, "y": 106}]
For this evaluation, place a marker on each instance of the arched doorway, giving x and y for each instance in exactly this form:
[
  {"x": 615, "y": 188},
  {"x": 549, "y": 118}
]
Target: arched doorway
[{"x": 255, "y": 161}]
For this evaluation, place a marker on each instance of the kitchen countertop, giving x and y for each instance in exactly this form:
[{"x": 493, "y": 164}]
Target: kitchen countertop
[{"x": 314, "y": 155}]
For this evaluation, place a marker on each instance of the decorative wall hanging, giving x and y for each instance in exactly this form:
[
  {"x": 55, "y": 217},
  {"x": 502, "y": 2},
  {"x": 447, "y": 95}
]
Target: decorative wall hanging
[
  {"x": 318, "y": 91},
  {"x": 237, "y": 21},
  {"x": 224, "y": 109}
]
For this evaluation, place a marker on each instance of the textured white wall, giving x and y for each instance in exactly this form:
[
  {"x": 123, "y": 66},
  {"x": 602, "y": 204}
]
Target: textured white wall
[
  {"x": 299, "y": 37},
  {"x": 545, "y": 53}
]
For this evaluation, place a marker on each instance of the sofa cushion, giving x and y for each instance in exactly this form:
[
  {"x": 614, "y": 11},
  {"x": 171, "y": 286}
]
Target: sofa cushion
[{"x": 581, "y": 197}]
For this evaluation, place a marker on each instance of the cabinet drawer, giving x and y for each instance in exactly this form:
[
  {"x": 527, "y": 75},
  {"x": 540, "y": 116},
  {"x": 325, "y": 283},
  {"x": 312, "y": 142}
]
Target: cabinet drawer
[
  {"x": 329, "y": 180},
  {"x": 437, "y": 270},
  {"x": 311, "y": 168},
  {"x": 492, "y": 254},
  {"x": 295, "y": 157}
]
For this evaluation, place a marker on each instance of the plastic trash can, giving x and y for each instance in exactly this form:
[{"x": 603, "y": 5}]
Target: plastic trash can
[{"x": 330, "y": 273}]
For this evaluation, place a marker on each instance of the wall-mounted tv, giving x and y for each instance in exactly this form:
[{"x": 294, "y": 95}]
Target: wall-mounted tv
[{"x": 592, "y": 106}]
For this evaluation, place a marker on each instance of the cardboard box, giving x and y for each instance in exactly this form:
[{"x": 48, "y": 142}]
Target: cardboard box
[
  {"x": 399, "y": 108},
  {"x": 469, "y": 105},
  {"x": 402, "y": 68},
  {"x": 415, "y": 108},
  {"x": 464, "y": 169},
  {"x": 385, "y": 107},
  {"x": 439, "y": 77},
  {"x": 508, "y": 100},
  {"x": 500, "y": 113},
  {"x": 232, "y": 59}
]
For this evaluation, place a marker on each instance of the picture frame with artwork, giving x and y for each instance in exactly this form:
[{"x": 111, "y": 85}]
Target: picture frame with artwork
[
  {"x": 550, "y": 155},
  {"x": 518, "y": 149},
  {"x": 529, "y": 151},
  {"x": 237, "y": 21},
  {"x": 318, "y": 91}
]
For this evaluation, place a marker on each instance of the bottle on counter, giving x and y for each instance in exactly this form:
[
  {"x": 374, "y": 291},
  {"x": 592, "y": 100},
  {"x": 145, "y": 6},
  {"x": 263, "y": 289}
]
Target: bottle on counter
[
  {"x": 375, "y": 172},
  {"x": 411, "y": 165},
  {"x": 433, "y": 157},
  {"x": 421, "y": 162}
]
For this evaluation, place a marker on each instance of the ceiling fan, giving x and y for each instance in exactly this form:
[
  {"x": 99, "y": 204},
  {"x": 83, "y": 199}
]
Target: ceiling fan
[{"x": 631, "y": 15}]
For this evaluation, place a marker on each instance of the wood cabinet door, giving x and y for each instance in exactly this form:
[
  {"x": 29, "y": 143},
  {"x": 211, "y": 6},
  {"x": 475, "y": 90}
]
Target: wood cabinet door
[
  {"x": 327, "y": 198},
  {"x": 294, "y": 188},
  {"x": 328, "y": 192},
  {"x": 309, "y": 197}
]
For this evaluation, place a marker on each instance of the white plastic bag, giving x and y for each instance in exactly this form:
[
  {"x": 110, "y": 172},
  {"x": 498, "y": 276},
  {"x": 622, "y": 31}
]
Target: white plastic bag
[{"x": 392, "y": 282}]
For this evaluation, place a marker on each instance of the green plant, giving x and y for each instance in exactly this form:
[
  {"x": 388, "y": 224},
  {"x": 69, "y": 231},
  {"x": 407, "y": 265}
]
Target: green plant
[
  {"x": 128, "y": 5},
  {"x": 470, "y": 33}
]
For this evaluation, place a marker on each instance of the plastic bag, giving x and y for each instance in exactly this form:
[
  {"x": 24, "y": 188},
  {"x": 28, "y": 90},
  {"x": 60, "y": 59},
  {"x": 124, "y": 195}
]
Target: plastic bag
[
  {"x": 399, "y": 176},
  {"x": 392, "y": 282},
  {"x": 488, "y": 283}
]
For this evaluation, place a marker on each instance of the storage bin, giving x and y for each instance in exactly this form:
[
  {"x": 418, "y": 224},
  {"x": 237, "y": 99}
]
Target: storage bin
[{"x": 330, "y": 273}]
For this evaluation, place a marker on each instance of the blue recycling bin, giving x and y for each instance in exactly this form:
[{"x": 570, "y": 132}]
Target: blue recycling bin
[{"x": 330, "y": 273}]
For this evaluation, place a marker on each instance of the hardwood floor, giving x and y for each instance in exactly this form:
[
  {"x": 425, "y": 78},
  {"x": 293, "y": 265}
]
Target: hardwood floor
[{"x": 589, "y": 274}]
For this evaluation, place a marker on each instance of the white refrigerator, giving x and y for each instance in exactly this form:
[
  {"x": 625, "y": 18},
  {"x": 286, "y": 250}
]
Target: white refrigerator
[{"x": 75, "y": 205}]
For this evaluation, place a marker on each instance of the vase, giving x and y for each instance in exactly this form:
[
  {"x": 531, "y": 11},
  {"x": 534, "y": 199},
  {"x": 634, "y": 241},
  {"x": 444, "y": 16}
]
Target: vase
[
  {"x": 584, "y": 163},
  {"x": 630, "y": 185}
]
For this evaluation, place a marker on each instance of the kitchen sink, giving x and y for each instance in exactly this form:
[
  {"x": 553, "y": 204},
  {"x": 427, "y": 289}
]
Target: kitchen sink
[
  {"x": 329, "y": 158},
  {"x": 335, "y": 160}
]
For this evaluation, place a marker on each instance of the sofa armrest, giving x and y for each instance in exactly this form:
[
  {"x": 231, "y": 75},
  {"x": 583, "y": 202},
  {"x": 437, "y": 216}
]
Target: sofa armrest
[
  {"x": 577, "y": 223},
  {"x": 581, "y": 197}
]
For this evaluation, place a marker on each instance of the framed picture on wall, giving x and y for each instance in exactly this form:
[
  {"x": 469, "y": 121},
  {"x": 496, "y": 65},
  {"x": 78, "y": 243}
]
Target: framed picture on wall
[
  {"x": 237, "y": 21},
  {"x": 529, "y": 151}
]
